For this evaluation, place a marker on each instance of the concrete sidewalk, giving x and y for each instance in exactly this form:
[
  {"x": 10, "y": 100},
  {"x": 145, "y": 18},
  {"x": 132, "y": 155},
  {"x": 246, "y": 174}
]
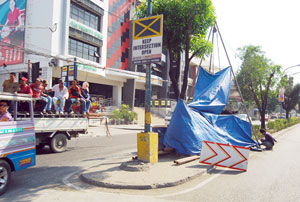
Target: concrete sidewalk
[{"x": 126, "y": 173}]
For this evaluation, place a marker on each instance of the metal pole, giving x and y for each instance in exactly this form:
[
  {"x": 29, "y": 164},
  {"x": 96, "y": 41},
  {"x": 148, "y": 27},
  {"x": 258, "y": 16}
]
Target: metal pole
[
  {"x": 149, "y": 8},
  {"x": 28, "y": 71},
  {"x": 148, "y": 99},
  {"x": 148, "y": 88}
]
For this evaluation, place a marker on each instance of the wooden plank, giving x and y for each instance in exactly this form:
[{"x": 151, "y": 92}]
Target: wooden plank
[{"x": 186, "y": 159}]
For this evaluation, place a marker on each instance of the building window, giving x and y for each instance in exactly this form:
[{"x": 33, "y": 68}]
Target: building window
[
  {"x": 85, "y": 17},
  {"x": 84, "y": 50}
]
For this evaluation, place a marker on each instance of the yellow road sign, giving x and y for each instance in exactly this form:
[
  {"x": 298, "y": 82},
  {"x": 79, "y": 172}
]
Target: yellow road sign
[{"x": 147, "y": 27}]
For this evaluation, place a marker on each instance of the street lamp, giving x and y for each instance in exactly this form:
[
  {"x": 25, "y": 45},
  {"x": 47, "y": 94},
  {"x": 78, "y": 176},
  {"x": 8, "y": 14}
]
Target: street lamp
[{"x": 290, "y": 67}]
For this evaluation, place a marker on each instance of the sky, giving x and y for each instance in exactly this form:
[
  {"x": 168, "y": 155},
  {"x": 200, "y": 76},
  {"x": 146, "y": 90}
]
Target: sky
[{"x": 272, "y": 24}]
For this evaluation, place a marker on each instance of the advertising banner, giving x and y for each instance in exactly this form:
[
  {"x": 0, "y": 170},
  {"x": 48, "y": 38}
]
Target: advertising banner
[
  {"x": 12, "y": 21},
  {"x": 281, "y": 95}
]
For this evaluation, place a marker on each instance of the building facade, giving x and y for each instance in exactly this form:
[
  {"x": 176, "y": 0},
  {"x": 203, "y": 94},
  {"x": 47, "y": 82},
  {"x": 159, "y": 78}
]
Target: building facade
[{"x": 95, "y": 35}]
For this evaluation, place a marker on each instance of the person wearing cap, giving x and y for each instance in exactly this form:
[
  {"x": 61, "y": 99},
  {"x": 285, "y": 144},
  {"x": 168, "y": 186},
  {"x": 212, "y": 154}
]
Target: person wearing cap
[
  {"x": 60, "y": 93},
  {"x": 25, "y": 89},
  {"x": 4, "y": 114},
  {"x": 269, "y": 141},
  {"x": 46, "y": 97},
  {"x": 37, "y": 89}
]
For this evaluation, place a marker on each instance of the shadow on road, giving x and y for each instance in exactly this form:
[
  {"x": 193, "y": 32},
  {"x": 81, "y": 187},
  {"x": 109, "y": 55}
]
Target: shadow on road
[{"x": 26, "y": 184}]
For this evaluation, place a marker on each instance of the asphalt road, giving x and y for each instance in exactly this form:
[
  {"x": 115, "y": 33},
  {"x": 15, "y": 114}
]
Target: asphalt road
[
  {"x": 271, "y": 176},
  {"x": 51, "y": 168}
]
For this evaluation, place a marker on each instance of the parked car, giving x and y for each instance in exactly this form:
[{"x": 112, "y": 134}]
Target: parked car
[
  {"x": 274, "y": 116},
  {"x": 267, "y": 117}
]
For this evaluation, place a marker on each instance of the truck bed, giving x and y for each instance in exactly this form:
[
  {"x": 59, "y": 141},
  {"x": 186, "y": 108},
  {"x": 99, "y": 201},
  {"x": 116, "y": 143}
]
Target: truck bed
[{"x": 60, "y": 124}]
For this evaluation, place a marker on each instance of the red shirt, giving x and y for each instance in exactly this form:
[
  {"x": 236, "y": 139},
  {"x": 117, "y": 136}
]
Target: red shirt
[
  {"x": 25, "y": 89},
  {"x": 36, "y": 90},
  {"x": 13, "y": 17}
]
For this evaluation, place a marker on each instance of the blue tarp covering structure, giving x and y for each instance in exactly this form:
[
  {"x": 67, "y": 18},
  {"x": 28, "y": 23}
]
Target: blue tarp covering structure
[
  {"x": 212, "y": 91},
  {"x": 199, "y": 121}
]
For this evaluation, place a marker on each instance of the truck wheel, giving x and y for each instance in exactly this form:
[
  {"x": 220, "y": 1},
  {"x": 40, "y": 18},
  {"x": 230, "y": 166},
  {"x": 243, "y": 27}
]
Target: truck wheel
[
  {"x": 5, "y": 176},
  {"x": 58, "y": 143}
]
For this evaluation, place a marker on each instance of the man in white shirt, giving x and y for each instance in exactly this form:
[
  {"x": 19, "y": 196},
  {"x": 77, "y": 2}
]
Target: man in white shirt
[{"x": 60, "y": 93}]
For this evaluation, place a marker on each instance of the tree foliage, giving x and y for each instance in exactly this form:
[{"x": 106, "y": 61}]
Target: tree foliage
[
  {"x": 185, "y": 26},
  {"x": 291, "y": 96},
  {"x": 256, "y": 77}
]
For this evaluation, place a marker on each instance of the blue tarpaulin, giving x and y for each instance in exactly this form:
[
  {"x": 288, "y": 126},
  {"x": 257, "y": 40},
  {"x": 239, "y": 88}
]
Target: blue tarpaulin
[
  {"x": 212, "y": 91},
  {"x": 191, "y": 124}
]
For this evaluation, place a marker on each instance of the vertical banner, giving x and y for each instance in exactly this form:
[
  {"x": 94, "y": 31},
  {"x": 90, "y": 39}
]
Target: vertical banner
[
  {"x": 12, "y": 22},
  {"x": 281, "y": 95}
]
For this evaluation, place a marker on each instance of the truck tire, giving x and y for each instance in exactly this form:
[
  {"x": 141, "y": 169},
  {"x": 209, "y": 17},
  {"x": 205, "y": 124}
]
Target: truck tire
[
  {"x": 5, "y": 176},
  {"x": 58, "y": 143}
]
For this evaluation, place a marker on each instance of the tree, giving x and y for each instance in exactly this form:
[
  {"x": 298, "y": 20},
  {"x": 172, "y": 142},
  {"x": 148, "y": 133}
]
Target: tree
[
  {"x": 186, "y": 23},
  {"x": 291, "y": 97},
  {"x": 272, "y": 101},
  {"x": 256, "y": 77}
]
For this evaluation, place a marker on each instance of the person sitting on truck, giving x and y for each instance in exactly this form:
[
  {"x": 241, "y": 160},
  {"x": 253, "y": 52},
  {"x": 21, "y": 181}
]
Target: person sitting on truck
[
  {"x": 4, "y": 114},
  {"x": 46, "y": 97},
  {"x": 86, "y": 96},
  {"x": 37, "y": 88},
  {"x": 25, "y": 89},
  {"x": 60, "y": 93},
  {"x": 11, "y": 86},
  {"x": 74, "y": 97}
]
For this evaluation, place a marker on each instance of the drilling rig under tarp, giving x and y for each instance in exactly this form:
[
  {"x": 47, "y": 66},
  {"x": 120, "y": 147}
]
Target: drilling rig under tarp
[{"x": 200, "y": 120}]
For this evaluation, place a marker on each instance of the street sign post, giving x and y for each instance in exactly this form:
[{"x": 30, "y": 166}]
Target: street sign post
[{"x": 147, "y": 48}]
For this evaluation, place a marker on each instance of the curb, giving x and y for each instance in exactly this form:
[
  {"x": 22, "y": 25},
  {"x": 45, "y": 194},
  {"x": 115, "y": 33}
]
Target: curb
[{"x": 84, "y": 177}]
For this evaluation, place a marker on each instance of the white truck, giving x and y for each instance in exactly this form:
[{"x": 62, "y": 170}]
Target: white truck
[{"x": 55, "y": 131}]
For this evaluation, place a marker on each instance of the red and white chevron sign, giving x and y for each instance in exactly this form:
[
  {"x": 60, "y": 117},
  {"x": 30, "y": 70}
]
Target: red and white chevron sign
[{"x": 224, "y": 155}]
